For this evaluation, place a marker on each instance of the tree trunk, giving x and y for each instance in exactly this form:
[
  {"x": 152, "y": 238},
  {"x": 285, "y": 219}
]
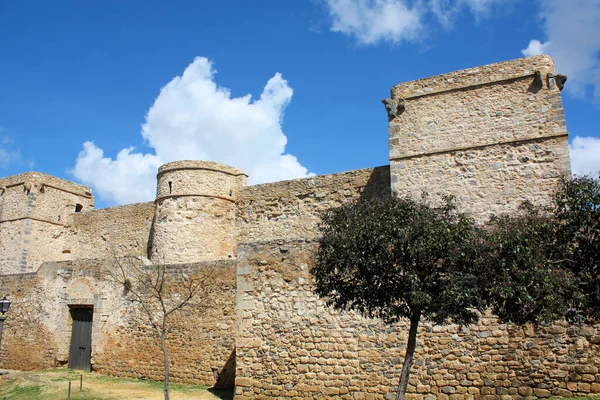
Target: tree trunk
[
  {"x": 163, "y": 344},
  {"x": 410, "y": 352}
]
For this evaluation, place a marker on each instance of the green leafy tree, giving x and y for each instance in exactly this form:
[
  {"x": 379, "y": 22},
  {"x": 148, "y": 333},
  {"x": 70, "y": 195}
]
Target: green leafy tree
[
  {"x": 543, "y": 263},
  {"x": 396, "y": 258},
  {"x": 524, "y": 269},
  {"x": 576, "y": 210}
]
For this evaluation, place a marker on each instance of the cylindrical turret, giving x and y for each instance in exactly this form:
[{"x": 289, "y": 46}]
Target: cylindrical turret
[{"x": 194, "y": 218}]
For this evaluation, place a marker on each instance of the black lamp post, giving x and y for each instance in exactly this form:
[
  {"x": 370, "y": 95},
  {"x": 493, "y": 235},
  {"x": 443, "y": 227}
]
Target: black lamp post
[{"x": 4, "y": 306}]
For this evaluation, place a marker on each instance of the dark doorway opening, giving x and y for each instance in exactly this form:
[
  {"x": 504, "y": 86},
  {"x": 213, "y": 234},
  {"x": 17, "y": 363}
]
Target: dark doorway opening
[{"x": 80, "y": 354}]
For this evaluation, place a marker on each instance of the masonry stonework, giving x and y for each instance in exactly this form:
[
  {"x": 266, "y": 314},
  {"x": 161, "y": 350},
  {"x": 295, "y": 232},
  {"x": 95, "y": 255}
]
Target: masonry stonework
[
  {"x": 35, "y": 208},
  {"x": 291, "y": 345},
  {"x": 195, "y": 211},
  {"x": 492, "y": 136}
]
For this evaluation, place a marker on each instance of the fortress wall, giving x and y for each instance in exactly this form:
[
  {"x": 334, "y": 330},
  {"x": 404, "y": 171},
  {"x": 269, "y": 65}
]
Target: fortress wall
[
  {"x": 193, "y": 228},
  {"x": 34, "y": 208},
  {"x": 195, "y": 211},
  {"x": 27, "y": 342},
  {"x": 13, "y": 201},
  {"x": 54, "y": 205},
  {"x": 292, "y": 208},
  {"x": 42, "y": 242},
  {"x": 104, "y": 233},
  {"x": 201, "y": 343},
  {"x": 37, "y": 331},
  {"x": 26, "y": 243},
  {"x": 11, "y": 248},
  {"x": 199, "y": 178},
  {"x": 491, "y": 180},
  {"x": 291, "y": 345},
  {"x": 42, "y": 197},
  {"x": 493, "y": 136}
]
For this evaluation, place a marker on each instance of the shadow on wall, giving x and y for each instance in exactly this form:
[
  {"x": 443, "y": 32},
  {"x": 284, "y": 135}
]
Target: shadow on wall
[
  {"x": 150, "y": 238},
  {"x": 378, "y": 185},
  {"x": 226, "y": 377},
  {"x": 223, "y": 388}
]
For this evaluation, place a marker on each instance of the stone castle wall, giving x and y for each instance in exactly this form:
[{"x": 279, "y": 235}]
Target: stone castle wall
[
  {"x": 37, "y": 332},
  {"x": 291, "y": 345},
  {"x": 195, "y": 211},
  {"x": 109, "y": 232},
  {"x": 201, "y": 339},
  {"x": 34, "y": 209},
  {"x": 293, "y": 208},
  {"x": 493, "y": 136}
]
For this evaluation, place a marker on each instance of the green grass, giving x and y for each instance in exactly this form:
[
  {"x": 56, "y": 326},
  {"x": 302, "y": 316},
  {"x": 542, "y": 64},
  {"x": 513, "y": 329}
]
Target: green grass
[
  {"x": 180, "y": 387},
  {"x": 37, "y": 392},
  {"x": 52, "y": 384},
  {"x": 24, "y": 392}
]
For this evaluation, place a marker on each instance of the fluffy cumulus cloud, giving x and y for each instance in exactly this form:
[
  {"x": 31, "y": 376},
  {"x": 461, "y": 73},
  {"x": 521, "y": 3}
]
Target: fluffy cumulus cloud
[
  {"x": 394, "y": 21},
  {"x": 572, "y": 38},
  {"x": 447, "y": 11},
  {"x": 129, "y": 178},
  {"x": 585, "y": 155},
  {"x": 195, "y": 119},
  {"x": 372, "y": 21}
]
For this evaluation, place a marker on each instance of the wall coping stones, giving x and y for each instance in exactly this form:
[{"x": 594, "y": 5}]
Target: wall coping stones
[
  {"x": 198, "y": 164},
  {"x": 487, "y": 74}
]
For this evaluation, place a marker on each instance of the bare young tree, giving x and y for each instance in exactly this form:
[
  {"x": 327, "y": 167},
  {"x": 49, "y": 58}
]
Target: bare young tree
[{"x": 161, "y": 291}]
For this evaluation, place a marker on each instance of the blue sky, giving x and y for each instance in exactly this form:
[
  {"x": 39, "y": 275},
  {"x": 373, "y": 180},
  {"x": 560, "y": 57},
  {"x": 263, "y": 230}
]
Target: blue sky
[{"x": 103, "y": 92}]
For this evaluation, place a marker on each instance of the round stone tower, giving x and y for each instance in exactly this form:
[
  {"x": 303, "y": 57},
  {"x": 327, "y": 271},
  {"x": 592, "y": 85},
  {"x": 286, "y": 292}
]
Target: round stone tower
[{"x": 194, "y": 216}]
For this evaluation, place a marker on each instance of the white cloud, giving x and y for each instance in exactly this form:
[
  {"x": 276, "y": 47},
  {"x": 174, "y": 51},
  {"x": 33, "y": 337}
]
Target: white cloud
[
  {"x": 130, "y": 178},
  {"x": 8, "y": 154},
  {"x": 572, "y": 30},
  {"x": 481, "y": 7},
  {"x": 373, "y": 21},
  {"x": 535, "y": 47},
  {"x": 585, "y": 155},
  {"x": 8, "y": 157},
  {"x": 447, "y": 11},
  {"x": 394, "y": 21},
  {"x": 194, "y": 118}
]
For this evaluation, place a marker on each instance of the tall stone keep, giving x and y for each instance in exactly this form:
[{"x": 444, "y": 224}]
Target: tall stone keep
[
  {"x": 35, "y": 208},
  {"x": 492, "y": 136},
  {"x": 194, "y": 216}
]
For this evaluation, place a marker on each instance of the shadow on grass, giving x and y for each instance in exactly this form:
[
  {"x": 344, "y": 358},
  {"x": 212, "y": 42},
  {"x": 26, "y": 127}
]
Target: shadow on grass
[{"x": 224, "y": 394}]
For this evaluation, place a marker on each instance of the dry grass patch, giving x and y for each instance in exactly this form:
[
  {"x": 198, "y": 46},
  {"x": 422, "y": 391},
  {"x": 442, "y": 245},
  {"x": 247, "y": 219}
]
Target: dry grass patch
[{"x": 53, "y": 385}]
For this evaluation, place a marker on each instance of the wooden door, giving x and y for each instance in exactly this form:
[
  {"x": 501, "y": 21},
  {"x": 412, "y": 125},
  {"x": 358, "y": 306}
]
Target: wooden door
[{"x": 80, "y": 355}]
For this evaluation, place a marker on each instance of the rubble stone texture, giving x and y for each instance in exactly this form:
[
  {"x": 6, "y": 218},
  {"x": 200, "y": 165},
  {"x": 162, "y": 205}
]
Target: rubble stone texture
[
  {"x": 492, "y": 136},
  {"x": 291, "y": 345},
  {"x": 487, "y": 135}
]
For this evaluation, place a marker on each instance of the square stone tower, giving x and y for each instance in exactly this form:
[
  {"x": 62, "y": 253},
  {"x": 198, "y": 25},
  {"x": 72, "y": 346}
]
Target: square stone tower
[
  {"x": 35, "y": 210},
  {"x": 492, "y": 136}
]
